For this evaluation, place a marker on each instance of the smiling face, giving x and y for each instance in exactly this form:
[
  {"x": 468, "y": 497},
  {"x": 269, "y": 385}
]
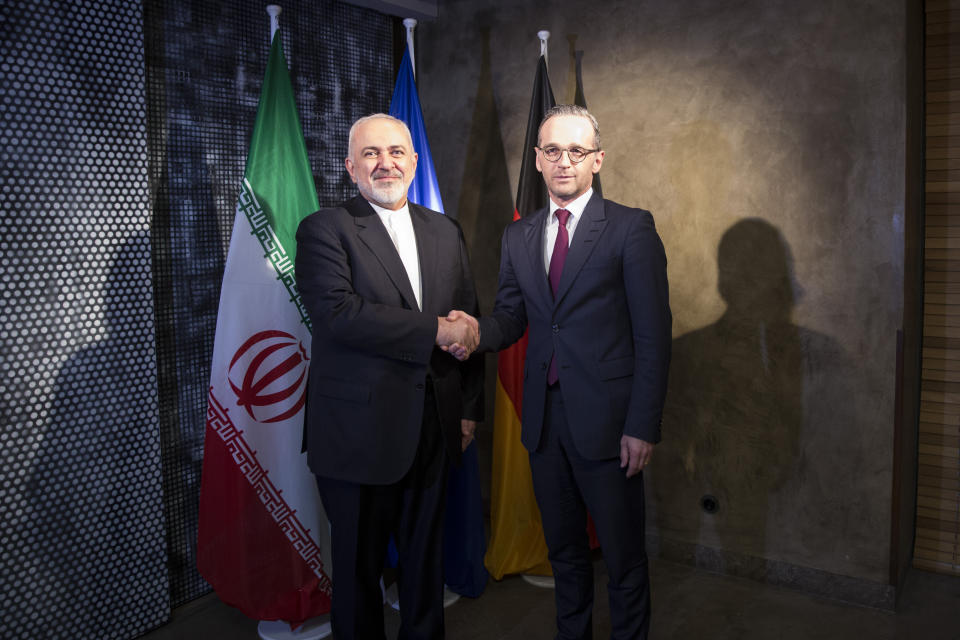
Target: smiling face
[
  {"x": 565, "y": 180},
  {"x": 382, "y": 161}
]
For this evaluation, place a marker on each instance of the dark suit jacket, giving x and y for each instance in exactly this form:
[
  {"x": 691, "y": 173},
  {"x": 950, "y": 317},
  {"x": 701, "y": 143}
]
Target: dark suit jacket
[
  {"x": 373, "y": 349},
  {"x": 610, "y": 325}
]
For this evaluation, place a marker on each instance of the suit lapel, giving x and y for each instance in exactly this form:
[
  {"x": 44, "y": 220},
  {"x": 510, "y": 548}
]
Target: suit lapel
[
  {"x": 533, "y": 238},
  {"x": 428, "y": 252},
  {"x": 584, "y": 240},
  {"x": 373, "y": 234}
]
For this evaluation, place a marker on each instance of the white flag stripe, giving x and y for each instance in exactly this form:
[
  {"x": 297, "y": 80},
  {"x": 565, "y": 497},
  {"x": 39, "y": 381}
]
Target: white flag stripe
[{"x": 253, "y": 301}]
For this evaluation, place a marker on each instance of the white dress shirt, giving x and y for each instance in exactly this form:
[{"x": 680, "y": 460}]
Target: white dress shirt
[
  {"x": 553, "y": 225},
  {"x": 400, "y": 228}
]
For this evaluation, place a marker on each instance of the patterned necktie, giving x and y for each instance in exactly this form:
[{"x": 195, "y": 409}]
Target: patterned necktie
[{"x": 560, "y": 249}]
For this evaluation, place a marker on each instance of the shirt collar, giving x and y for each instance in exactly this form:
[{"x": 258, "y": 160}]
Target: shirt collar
[
  {"x": 575, "y": 208},
  {"x": 382, "y": 212}
]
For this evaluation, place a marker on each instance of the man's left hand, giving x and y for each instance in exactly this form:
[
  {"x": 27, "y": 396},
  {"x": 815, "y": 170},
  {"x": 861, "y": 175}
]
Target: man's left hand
[
  {"x": 634, "y": 454},
  {"x": 467, "y": 428}
]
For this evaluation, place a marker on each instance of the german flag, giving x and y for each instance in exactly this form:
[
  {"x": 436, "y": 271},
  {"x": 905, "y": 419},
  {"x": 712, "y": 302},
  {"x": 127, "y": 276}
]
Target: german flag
[{"x": 516, "y": 532}]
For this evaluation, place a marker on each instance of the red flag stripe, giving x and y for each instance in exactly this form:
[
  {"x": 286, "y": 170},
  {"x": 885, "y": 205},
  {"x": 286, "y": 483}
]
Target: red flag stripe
[{"x": 277, "y": 572}]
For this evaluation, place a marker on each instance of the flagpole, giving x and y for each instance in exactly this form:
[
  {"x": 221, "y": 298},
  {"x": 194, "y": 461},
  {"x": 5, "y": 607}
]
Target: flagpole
[
  {"x": 544, "y": 35},
  {"x": 274, "y": 11},
  {"x": 410, "y": 24}
]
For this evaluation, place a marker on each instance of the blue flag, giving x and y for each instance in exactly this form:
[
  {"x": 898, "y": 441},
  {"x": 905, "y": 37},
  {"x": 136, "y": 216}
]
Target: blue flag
[
  {"x": 464, "y": 543},
  {"x": 405, "y": 105}
]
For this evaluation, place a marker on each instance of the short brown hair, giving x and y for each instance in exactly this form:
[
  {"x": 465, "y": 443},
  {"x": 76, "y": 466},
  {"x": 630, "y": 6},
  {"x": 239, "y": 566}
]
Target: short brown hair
[{"x": 572, "y": 110}]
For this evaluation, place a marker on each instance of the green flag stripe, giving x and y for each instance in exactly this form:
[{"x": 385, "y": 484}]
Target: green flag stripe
[{"x": 278, "y": 169}]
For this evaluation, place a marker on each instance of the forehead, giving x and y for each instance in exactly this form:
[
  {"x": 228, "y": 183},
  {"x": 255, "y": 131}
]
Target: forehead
[
  {"x": 567, "y": 130},
  {"x": 380, "y": 133}
]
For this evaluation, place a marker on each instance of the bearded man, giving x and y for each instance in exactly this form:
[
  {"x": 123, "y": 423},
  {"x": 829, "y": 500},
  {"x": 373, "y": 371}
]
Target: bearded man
[{"x": 387, "y": 410}]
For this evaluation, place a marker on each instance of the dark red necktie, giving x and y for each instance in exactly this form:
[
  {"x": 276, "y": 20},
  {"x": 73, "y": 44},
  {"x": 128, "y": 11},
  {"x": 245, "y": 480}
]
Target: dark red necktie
[{"x": 560, "y": 249}]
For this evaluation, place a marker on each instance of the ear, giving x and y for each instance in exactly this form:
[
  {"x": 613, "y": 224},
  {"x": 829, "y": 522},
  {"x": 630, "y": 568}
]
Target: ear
[
  {"x": 536, "y": 155},
  {"x": 597, "y": 161},
  {"x": 350, "y": 168}
]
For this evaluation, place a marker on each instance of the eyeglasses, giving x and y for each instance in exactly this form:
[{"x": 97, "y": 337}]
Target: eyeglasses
[{"x": 576, "y": 154}]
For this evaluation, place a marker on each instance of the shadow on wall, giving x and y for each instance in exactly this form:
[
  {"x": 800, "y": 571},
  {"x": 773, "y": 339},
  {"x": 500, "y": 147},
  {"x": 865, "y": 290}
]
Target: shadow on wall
[
  {"x": 94, "y": 494},
  {"x": 484, "y": 209},
  {"x": 754, "y": 444},
  {"x": 485, "y": 206}
]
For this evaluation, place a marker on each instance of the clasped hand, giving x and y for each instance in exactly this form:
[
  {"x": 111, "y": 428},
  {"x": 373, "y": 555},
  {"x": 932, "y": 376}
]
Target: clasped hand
[{"x": 458, "y": 334}]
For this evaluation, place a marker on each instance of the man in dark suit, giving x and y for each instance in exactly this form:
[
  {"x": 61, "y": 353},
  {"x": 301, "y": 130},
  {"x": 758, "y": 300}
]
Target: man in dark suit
[
  {"x": 387, "y": 409},
  {"x": 588, "y": 277}
]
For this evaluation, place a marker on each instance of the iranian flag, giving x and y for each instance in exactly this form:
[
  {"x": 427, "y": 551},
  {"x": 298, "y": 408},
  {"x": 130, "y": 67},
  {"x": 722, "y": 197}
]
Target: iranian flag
[{"x": 263, "y": 541}]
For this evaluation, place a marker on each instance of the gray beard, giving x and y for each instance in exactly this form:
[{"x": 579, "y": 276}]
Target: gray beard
[{"x": 385, "y": 196}]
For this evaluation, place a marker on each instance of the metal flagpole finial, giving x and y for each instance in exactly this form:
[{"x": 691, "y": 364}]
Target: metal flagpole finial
[
  {"x": 544, "y": 35},
  {"x": 410, "y": 24},
  {"x": 274, "y": 11}
]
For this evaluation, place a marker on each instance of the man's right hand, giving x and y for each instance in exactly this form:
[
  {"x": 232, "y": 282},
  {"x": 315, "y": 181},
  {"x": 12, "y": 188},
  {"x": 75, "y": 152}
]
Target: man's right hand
[{"x": 458, "y": 334}]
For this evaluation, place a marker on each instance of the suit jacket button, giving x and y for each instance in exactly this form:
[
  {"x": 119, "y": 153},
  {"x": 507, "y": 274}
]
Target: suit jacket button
[
  {"x": 419, "y": 386},
  {"x": 556, "y": 328},
  {"x": 543, "y": 366}
]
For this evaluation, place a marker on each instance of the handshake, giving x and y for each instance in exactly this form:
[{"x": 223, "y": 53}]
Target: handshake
[{"x": 458, "y": 334}]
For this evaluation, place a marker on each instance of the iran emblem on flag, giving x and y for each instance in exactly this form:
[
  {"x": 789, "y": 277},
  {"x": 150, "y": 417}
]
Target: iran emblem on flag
[{"x": 268, "y": 374}]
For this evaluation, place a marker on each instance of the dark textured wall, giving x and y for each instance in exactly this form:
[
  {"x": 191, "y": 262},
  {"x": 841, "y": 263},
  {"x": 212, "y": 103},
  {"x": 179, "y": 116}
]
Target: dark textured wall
[
  {"x": 81, "y": 512},
  {"x": 768, "y": 139}
]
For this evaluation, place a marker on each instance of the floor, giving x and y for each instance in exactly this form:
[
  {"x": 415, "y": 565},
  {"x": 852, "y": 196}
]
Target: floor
[{"x": 687, "y": 604}]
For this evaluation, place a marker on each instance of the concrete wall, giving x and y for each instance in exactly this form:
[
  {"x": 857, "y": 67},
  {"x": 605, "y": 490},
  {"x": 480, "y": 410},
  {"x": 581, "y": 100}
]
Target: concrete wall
[{"x": 768, "y": 139}]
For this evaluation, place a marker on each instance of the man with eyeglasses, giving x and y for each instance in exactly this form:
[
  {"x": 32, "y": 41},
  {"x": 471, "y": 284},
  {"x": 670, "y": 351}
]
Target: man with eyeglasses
[{"x": 588, "y": 277}]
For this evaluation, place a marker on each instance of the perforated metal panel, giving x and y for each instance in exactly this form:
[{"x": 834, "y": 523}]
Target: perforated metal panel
[
  {"x": 205, "y": 66},
  {"x": 81, "y": 538}
]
